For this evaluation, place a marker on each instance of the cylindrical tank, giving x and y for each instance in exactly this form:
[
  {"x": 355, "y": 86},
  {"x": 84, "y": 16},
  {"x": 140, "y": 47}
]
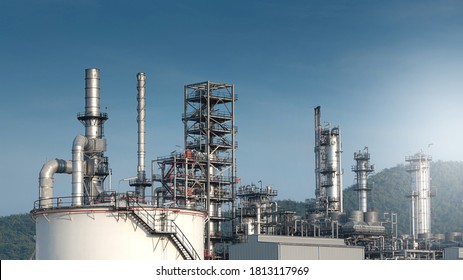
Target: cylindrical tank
[
  {"x": 334, "y": 216},
  {"x": 356, "y": 216},
  {"x": 314, "y": 216},
  {"x": 425, "y": 236},
  {"x": 102, "y": 233},
  {"x": 439, "y": 236},
  {"x": 458, "y": 236},
  {"x": 451, "y": 236},
  {"x": 371, "y": 217}
]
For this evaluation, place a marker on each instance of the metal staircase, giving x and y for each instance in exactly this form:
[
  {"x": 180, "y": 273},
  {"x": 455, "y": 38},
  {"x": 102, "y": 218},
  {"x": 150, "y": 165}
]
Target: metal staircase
[{"x": 162, "y": 225}]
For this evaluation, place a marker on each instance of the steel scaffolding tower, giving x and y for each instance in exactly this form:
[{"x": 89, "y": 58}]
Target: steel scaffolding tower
[
  {"x": 203, "y": 176},
  {"x": 210, "y": 131}
]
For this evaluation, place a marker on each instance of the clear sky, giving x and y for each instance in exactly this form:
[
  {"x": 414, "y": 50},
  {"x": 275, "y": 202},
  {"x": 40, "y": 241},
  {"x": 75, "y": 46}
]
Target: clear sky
[{"x": 389, "y": 73}]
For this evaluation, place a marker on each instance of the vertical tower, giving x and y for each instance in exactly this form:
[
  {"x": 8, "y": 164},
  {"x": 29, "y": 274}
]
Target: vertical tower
[
  {"x": 95, "y": 169},
  {"x": 141, "y": 182},
  {"x": 328, "y": 171},
  {"x": 362, "y": 169},
  {"x": 209, "y": 130},
  {"x": 420, "y": 196}
]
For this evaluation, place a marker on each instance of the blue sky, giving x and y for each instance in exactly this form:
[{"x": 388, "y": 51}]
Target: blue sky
[{"x": 389, "y": 73}]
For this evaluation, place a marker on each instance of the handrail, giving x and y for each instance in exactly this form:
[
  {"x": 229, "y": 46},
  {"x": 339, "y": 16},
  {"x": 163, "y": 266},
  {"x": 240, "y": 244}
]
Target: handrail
[
  {"x": 150, "y": 220},
  {"x": 184, "y": 240}
]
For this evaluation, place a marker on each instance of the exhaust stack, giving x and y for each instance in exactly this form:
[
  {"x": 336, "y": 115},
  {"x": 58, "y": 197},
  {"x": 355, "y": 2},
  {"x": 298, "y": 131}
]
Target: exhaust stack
[
  {"x": 141, "y": 182},
  {"x": 141, "y": 125},
  {"x": 96, "y": 164}
]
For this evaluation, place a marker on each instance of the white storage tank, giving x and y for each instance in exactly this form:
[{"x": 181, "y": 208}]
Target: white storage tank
[{"x": 104, "y": 233}]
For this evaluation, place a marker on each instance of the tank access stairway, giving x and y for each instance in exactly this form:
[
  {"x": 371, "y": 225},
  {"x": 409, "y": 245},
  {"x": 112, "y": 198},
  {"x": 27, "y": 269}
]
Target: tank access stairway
[{"x": 162, "y": 225}]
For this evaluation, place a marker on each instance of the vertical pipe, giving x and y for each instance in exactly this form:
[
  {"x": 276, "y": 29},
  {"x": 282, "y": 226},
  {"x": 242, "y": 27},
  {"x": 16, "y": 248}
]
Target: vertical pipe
[
  {"x": 78, "y": 149},
  {"x": 257, "y": 219},
  {"x": 317, "y": 151},
  {"x": 317, "y": 154},
  {"x": 141, "y": 80},
  {"x": 208, "y": 244},
  {"x": 339, "y": 171},
  {"x": 233, "y": 171}
]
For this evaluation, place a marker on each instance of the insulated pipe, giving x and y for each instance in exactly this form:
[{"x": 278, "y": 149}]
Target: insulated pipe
[
  {"x": 78, "y": 148},
  {"x": 92, "y": 102},
  {"x": 46, "y": 179},
  {"x": 141, "y": 125},
  {"x": 317, "y": 153},
  {"x": 257, "y": 231}
]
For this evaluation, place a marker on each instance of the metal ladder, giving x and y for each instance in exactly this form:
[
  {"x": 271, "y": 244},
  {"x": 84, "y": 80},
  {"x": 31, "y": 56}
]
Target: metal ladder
[{"x": 167, "y": 227}]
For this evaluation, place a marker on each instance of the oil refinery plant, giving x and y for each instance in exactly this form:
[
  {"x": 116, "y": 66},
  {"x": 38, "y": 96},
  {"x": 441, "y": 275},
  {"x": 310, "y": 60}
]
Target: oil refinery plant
[{"x": 193, "y": 206}]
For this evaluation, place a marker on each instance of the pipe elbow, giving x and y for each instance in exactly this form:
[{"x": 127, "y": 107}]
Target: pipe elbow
[
  {"x": 80, "y": 143},
  {"x": 46, "y": 179}
]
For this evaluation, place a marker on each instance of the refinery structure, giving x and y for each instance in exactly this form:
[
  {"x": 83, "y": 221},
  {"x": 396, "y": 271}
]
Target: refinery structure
[{"x": 193, "y": 206}]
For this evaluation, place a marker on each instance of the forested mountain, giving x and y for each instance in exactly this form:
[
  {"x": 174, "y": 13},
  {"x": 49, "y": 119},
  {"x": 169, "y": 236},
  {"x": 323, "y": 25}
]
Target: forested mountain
[
  {"x": 389, "y": 190},
  {"x": 17, "y": 237},
  {"x": 391, "y": 186}
]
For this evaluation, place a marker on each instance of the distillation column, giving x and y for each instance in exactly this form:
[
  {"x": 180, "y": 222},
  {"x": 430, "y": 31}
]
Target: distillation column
[
  {"x": 328, "y": 171},
  {"x": 420, "y": 197},
  {"x": 362, "y": 169}
]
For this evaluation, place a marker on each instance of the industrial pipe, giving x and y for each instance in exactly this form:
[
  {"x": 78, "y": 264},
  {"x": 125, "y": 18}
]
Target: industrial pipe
[
  {"x": 78, "y": 149},
  {"x": 46, "y": 179},
  {"x": 141, "y": 79}
]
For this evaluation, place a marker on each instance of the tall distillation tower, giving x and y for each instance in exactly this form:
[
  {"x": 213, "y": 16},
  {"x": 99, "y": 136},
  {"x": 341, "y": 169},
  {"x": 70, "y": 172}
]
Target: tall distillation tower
[
  {"x": 420, "y": 196},
  {"x": 328, "y": 171},
  {"x": 362, "y": 169}
]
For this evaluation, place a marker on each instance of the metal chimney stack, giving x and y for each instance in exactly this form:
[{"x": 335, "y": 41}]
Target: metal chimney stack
[
  {"x": 141, "y": 125},
  {"x": 141, "y": 182},
  {"x": 92, "y": 118},
  {"x": 91, "y": 147}
]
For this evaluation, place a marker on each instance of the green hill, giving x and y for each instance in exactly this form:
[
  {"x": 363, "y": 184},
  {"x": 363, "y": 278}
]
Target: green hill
[
  {"x": 17, "y": 237},
  {"x": 391, "y": 186}
]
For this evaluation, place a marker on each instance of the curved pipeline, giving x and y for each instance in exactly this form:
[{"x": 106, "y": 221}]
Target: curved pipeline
[
  {"x": 78, "y": 148},
  {"x": 46, "y": 179}
]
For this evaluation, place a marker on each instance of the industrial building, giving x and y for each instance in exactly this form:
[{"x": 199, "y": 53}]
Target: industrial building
[
  {"x": 197, "y": 208},
  {"x": 276, "y": 247}
]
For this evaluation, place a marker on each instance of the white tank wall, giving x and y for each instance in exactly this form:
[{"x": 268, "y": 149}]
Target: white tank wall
[{"x": 94, "y": 234}]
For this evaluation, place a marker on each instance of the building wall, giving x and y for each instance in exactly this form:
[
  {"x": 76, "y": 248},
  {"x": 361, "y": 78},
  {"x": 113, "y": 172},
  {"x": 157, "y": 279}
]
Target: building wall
[
  {"x": 453, "y": 253},
  {"x": 266, "y": 247},
  {"x": 253, "y": 250}
]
